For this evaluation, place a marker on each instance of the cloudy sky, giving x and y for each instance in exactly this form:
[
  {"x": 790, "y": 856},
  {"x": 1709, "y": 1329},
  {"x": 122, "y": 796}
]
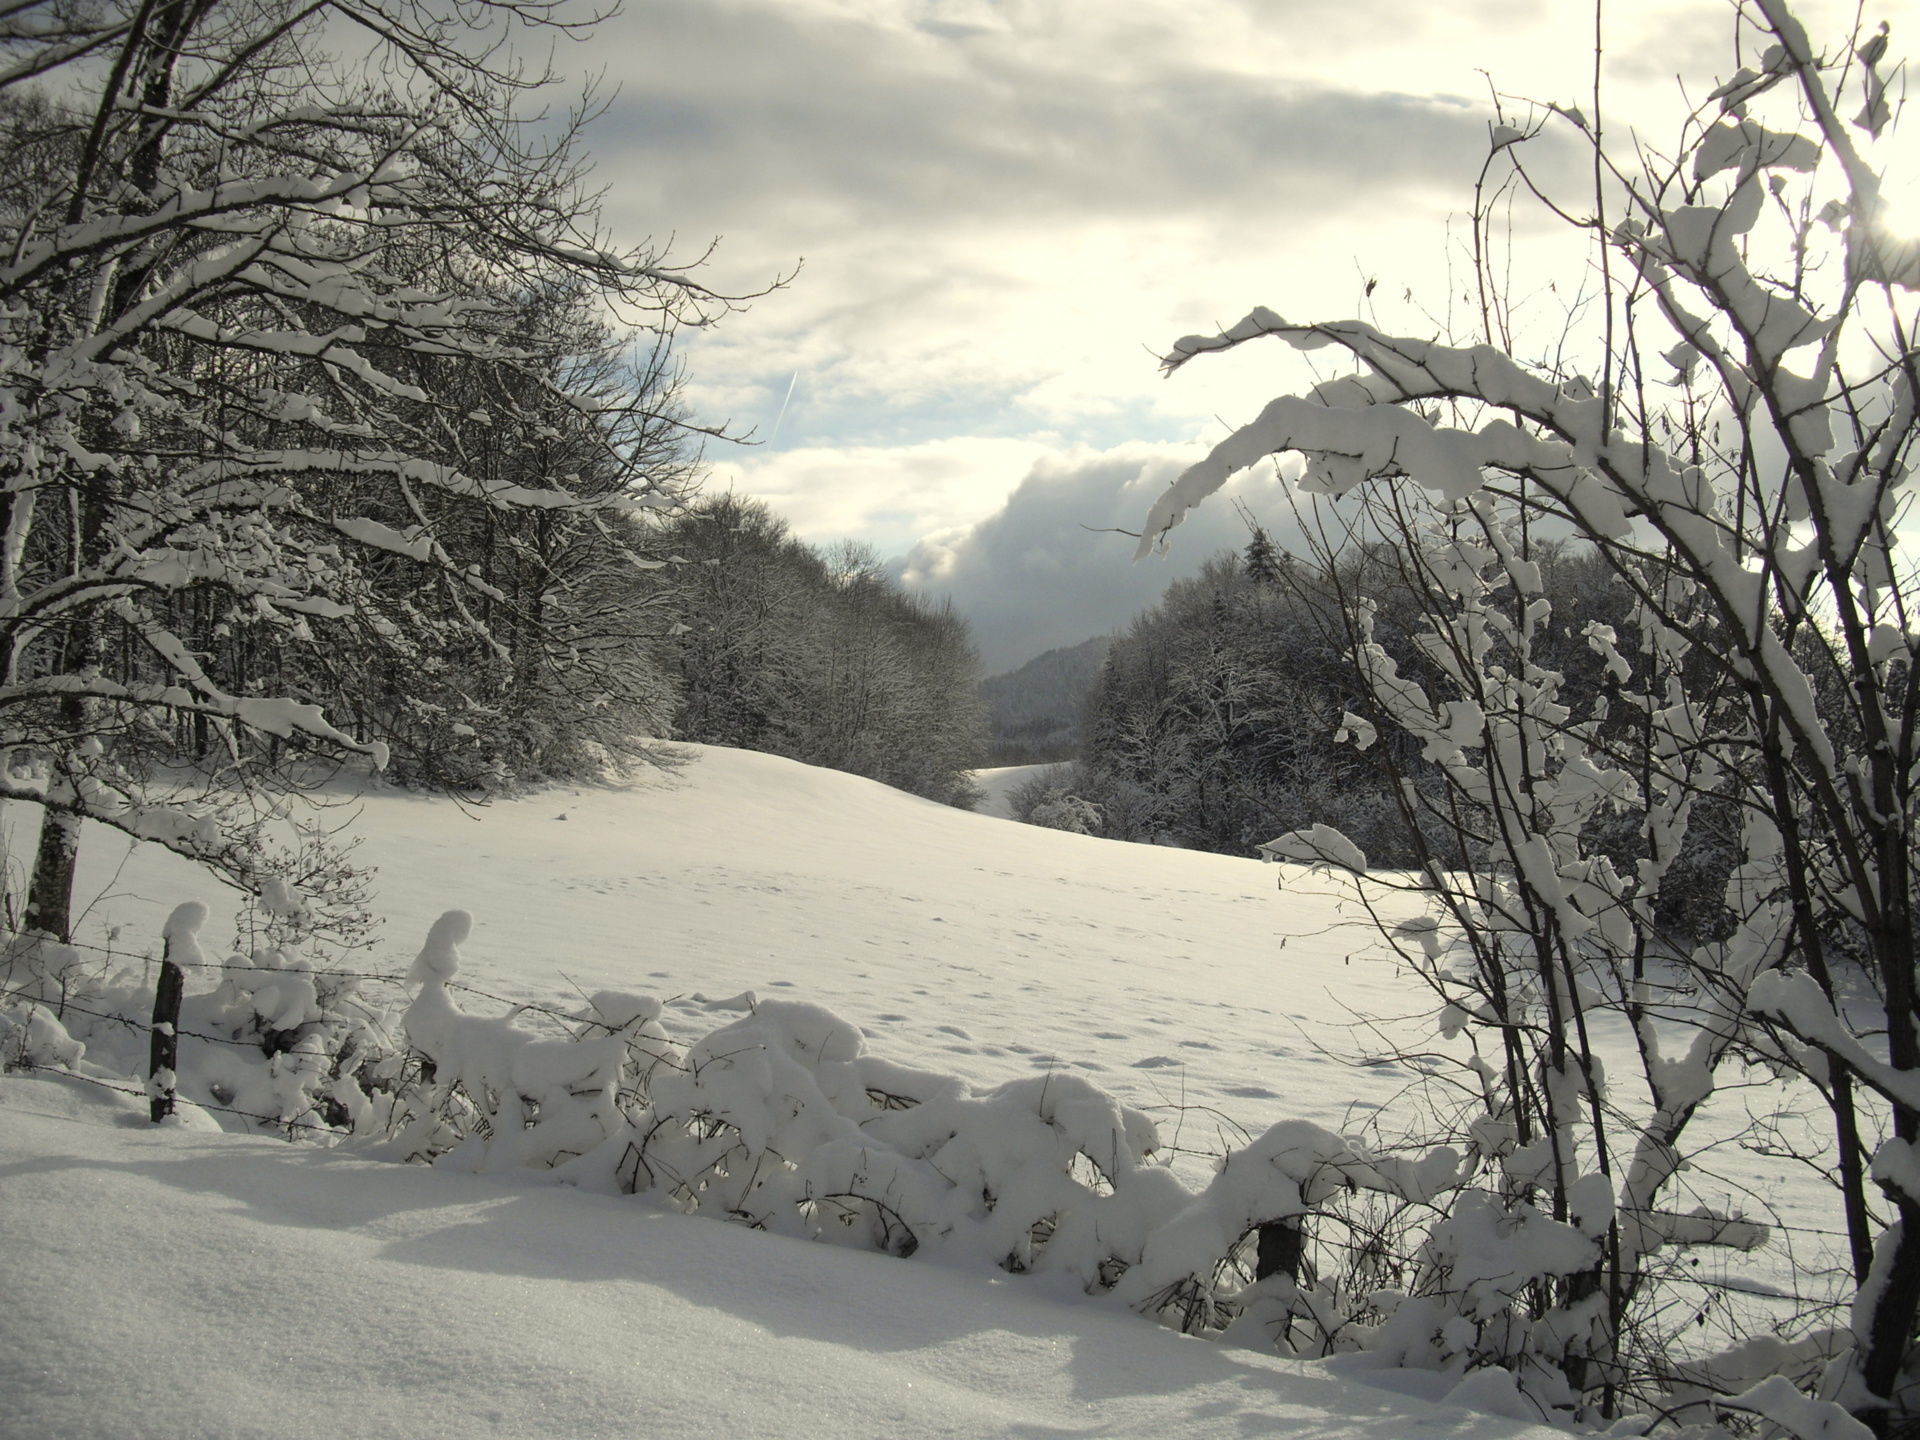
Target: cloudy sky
[{"x": 1000, "y": 211}]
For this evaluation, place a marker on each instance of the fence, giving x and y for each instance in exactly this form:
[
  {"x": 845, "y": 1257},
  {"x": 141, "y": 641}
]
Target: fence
[
  {"x": 161, "y": 1026},
  {"x": 1297, "y": 1221}
]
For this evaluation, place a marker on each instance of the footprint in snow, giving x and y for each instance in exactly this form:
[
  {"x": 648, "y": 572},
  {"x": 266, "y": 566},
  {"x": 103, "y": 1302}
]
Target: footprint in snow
[
  {"x": 1155, "y": 1062},
  {"x": 953, "y": 1030},
  {"x": 1252, "y": 1092}
]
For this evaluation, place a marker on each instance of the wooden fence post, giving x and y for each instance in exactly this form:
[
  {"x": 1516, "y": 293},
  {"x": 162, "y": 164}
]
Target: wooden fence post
[
  {"x": 164, "y": 1048},
  {"x": 1281, "y": 1245}
]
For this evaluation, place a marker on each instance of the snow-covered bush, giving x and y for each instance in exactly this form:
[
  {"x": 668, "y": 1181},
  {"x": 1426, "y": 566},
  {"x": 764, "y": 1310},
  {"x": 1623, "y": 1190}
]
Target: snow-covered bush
[
  {"x": 784, "y": 1120},
  {"x": 497, "y": 1096},
  {"x": 1049, "y": 800},
  {"x": 1449, "y": 1257},
  {"x": 307, "y": 895},
  {"x": 781, "y": 1118},
  {"x": 268, "y": 1038},
  {"x": 35, "y": 966},
  {"x": 303, "y": 1046},
  {"x": 1186, "y": 1272},
  {"x": 1734, "y": 440},
  {"x": 31, "y": 1038}
]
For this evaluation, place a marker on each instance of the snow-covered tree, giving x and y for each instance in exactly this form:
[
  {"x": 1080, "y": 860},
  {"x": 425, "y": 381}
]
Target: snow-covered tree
[
  {"x": 1735, "y": 438},
  {"x": 262, "y": 305},
  {"x": 820, "y": 657}
]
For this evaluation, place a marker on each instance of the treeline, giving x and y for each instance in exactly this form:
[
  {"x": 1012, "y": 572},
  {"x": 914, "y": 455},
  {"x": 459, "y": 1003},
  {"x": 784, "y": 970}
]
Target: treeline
[
  {"x": 1213, "y": 722},
  {"x": 1223, "y": 716},
  {"x": 820, "y": 656},
  {"x": 431, "y": 531},
  {"x": 319, "y": 438}
]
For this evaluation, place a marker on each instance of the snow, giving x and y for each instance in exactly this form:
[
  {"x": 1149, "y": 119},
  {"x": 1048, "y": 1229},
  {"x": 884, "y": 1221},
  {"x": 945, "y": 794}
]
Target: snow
[
  {"x": 280, "y": 1284},
  {"x": 302, "y": 1292}
]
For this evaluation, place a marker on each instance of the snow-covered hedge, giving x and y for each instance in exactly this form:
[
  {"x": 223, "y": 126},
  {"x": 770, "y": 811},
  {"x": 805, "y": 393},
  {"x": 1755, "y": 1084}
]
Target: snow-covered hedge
[
  {"x": 275, "y": 1042},
  {"x": 782, "y": 1119}
]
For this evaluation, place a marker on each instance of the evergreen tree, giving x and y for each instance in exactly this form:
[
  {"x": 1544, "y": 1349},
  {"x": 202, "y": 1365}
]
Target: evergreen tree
[{"x": 1261, "y": 562}]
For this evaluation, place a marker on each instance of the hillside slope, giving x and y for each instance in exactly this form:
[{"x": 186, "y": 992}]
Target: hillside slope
[
  {"x": 1035, "y": 712},
  {"x": 957, "y": 941},
  {"x": 188, "y": 1282}
]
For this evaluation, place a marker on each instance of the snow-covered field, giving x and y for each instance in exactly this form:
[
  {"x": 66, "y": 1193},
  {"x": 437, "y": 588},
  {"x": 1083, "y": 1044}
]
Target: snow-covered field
[{"x": 186, "y": 1282}]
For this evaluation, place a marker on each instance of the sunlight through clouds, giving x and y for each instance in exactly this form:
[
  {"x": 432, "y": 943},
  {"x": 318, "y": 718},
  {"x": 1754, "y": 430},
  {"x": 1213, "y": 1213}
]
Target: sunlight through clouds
[{"x": 1002, "y": 211}]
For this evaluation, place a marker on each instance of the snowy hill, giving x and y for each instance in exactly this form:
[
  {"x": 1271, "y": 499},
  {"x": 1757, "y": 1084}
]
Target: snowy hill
[
  {"x": 954, "y": 940},
  {"x": 281, "y": 1287}
]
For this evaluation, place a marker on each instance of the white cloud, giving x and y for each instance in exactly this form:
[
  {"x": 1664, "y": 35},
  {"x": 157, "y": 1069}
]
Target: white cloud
[
  {"x": 1021, "y": 202},
  {"x": 891, "y": 495}
]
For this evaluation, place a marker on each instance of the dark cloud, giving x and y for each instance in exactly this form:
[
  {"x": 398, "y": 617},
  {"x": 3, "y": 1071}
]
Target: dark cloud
[
  {"x": 745, "y": 108},
  {"x": 1039, "y": 572}
]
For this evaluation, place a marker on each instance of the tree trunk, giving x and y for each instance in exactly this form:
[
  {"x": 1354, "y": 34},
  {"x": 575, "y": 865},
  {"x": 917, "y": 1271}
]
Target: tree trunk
[{"x": 50, "y": 893}]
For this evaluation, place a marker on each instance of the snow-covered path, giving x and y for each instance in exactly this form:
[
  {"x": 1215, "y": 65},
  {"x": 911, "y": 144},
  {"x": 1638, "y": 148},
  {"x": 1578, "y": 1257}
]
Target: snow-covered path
[{"x": 996, "y": 784}]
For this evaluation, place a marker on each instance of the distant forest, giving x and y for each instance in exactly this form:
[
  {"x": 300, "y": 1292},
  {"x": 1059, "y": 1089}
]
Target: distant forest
[
  {"x": 1036, "y": 712},
  {"x": 819, "y": 655},
  {"x": 1222, "y": 716}
]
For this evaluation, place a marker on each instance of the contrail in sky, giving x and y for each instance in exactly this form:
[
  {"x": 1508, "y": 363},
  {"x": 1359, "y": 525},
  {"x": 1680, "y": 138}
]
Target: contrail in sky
[{"x": 783, "y": 408}]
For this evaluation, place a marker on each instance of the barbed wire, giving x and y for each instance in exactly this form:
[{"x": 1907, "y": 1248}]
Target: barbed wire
[
  {"x": 571, "y": 1020},
  {"x": 240, "y": 965},
  {"x": 128, "y": 1021},
  {"x": 143, "y": 1094}
]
